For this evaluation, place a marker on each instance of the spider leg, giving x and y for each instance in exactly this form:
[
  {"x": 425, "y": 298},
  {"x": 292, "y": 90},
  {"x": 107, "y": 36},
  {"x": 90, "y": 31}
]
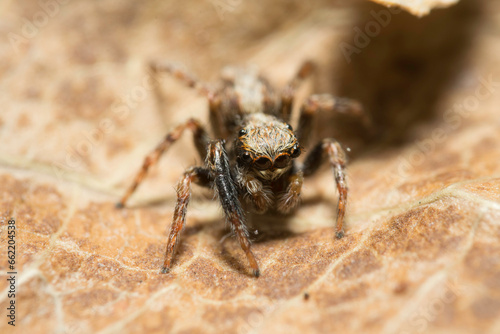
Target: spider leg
[
  {"x": 218, "y": 119},
  {"x": 181, "y": 74},
  {"x": 200, "y": 176},
  {"x": 214, "y": 97},
  {"x": 201, "y": 141},
  {"x": 329, "y": 103},
  {"x": 330, "y": 149},
  {"x": 225, "y": 187},
  {"x": 288, "y": 94}
]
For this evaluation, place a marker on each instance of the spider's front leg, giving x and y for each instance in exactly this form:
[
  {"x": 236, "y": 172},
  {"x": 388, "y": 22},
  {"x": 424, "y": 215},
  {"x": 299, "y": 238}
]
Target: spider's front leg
[
  {"x": 200, "y": 176},
  {"x": 329, "y": 149},
  {"x": 225, "y": 187}
]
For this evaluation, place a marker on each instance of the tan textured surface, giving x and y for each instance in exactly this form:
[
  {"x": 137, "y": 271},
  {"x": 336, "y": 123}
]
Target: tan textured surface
[{"x": 423, "y": 232}]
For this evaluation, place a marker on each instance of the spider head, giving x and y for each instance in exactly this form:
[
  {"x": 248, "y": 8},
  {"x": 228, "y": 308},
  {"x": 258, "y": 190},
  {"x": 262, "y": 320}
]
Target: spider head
[{"x": 267, "y": 147}]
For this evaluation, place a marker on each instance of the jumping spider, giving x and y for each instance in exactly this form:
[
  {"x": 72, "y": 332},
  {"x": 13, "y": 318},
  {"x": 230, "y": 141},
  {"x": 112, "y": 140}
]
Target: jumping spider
[{"x": 251, "y": 164}]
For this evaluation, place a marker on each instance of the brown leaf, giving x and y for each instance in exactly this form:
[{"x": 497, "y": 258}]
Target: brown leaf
[{"x": 79, "y": 113}]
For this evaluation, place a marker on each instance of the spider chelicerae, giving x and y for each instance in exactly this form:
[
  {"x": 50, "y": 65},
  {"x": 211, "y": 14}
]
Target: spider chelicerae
[{"x": 251, "y": 164}]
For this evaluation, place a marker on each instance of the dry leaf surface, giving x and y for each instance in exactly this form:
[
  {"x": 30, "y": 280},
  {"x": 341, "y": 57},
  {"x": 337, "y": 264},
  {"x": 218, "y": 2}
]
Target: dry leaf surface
[{"x": 79, "y": 113}]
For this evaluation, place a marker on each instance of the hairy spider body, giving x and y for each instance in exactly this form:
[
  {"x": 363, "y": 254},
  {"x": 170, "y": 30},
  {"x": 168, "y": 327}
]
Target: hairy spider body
[{"x": 251, "y": 165}]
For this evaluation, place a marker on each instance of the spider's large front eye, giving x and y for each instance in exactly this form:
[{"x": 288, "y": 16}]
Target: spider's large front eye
[
  {"x": 242, "y": 132},
  {"x": 295, "y": 151},
  {"x": 246, "y": 157},
  {"x": 282, "y": 161},
  {"x": 263, "y": 163}
]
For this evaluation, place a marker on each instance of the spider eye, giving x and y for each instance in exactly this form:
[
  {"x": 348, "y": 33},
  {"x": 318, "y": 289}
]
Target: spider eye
[
  {"x": 246, "y": 157},
  {"x": 282, "y": 161},
  {"x": 263, "y": 163},
  {"x": 295, "y": 151},
  {"x": 242, "y": 132},
  {"x": 289, "y": 127}
]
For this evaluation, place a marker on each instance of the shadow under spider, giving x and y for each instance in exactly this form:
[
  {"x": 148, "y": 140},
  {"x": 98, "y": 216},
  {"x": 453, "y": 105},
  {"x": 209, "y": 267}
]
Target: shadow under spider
[
  {"x": 268, "y": 227},
  {"x": 262, "y": 228}
]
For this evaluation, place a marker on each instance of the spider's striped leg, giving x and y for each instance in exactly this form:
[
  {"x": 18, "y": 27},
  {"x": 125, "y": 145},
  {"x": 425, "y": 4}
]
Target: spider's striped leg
[
  {"x": 218, "y": 163},
  {"x": 180, "y": 74},
  {"x": 331, "y": 151},
  {"x": 200, "y": 176},
  {"x": 201, "y": 141}
]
